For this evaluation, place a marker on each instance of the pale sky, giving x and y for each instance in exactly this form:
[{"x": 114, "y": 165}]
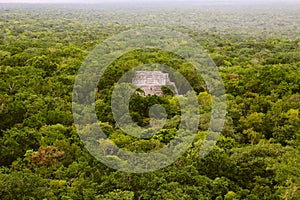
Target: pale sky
[
  {"x": 80, "y": 1},
  {"x": 141, "y": 1}
]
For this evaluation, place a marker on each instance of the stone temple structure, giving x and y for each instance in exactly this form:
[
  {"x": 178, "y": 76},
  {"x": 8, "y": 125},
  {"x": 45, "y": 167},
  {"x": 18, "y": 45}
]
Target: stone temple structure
[{"x": 152, "y": 81}]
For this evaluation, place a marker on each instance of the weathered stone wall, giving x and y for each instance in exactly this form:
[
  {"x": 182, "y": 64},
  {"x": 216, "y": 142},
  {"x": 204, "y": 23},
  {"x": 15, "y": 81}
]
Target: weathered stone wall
[{"x": 152, "y": 81}]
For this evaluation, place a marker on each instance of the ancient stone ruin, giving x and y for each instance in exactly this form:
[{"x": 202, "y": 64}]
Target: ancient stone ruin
[{"x": 152, "y": 81}]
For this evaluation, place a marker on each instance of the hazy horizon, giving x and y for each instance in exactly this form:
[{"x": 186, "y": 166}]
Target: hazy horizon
[{"x": 141, "y": 1}]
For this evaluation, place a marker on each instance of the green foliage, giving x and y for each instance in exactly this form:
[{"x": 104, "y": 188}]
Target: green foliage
[
  {"x": 22, "y": 185},
  {"x": 42, "y": 156},
  {"x": 117, "y": 194}
]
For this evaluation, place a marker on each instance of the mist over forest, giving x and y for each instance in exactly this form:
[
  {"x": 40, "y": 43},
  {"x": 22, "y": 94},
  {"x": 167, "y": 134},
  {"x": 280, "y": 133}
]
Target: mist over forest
[{"x": 231, "y": 132}]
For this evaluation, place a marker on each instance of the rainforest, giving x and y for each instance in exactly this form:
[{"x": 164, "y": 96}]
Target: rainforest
[{"x": 255, "y": 48}]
